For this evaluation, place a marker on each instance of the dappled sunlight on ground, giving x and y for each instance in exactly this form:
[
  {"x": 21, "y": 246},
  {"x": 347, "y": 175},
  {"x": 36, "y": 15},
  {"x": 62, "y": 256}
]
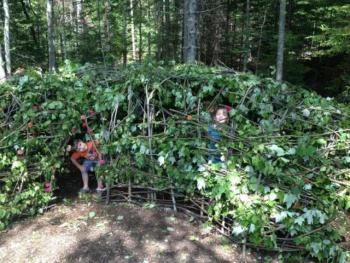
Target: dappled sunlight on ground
[{"x": 90, "y": 232}]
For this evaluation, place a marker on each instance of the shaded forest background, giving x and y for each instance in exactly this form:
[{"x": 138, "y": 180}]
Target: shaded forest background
[
  {"x": 239, "y": 34},
  {"x": 287, "y": 180}
]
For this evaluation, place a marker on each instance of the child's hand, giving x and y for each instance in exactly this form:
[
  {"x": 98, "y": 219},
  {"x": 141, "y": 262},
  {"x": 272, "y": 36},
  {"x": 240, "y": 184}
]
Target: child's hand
[
  {"x": 69, "y": 148},
  {"x": 101, "y": 162}
]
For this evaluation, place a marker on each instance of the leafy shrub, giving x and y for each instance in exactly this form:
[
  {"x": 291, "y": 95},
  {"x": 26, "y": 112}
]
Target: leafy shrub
[{"x": 281, "y": 186}]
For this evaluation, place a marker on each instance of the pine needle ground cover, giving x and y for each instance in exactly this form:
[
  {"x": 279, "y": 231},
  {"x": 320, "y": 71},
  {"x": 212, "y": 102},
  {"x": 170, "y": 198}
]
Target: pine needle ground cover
[{"x": 283, "y": 179}]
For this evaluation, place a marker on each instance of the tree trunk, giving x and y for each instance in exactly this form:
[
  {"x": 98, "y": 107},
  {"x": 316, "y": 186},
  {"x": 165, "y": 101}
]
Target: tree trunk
[
  {"x": 160, "y": 28},
  {"x": 107, "y": 26},
  {"x": 79, "y": 22},
  {"x": 281, "y": 35},
  {"x": 100, "y": 36},
  {"x": 177, "y": 29},
  {"x": 246, "y": 36},
  {"x": 7, "y": 37},
  {"x": 63, "y": 34},
  {"x": 228, "y": 46},
  {"x": 125, "y": 34},
  {"x": 149, "y": 33},
  {"x": 168, "y": 33},
  {"x": 26, "y": 13},
  {"x": 2, "y": 69},
  {"x": 260, "y": 41},
  {"x": 133, "y": 37},
  {"x": 140, "y": 31},
  {"x": 190, "y": 31},
  {"x": 233, "y": 36},
  {"x": 50, "y": 36}
]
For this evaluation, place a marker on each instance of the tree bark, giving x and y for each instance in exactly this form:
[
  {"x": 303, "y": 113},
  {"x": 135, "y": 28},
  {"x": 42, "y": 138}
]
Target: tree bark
[
  {"x": 149, "y": 51},
  {"x": 140, "y": 31},
  {"x": 26, "y": 13},
  {"x": 190, "y": 31},
  {"x": 2, "y": 69},
  {"x": 133, "y": 37},
  {"x": 7, "y": 37},
  {"x": 246, "y": 36},
  {"x": 125, "y": 34},
  {"x": 100, "y": 31},
  {"x": 79, "y": 22},
  {"x": 168, "y": 33},
  {"x": 51, "y": 44},
  {"x": 107, "y": 26},
  {"x": 177, "y": 29},
  {"x": 260, "y": 42},
  {"x": 63, "y": 34},
  {"x": 160, "y": 28},
  {"x": 281, "y": 40}
]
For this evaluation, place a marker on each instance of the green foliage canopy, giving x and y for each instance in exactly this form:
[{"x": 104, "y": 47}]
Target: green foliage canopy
[{"x": 284, "y": 182}]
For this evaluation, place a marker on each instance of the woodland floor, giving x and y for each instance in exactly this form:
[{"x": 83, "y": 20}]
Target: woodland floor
[
  {"x": 83, "y": 230},
  {"x": 92, "y": 232}
]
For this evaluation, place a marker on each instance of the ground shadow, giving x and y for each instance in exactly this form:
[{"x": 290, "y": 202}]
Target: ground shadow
[{"x": 144, "y": 237}]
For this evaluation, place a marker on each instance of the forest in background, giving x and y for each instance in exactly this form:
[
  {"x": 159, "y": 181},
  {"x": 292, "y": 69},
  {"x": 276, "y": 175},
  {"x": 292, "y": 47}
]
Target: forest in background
[
  {"x": 144, "y": 78},
  {"x": 242, "y": 35}
]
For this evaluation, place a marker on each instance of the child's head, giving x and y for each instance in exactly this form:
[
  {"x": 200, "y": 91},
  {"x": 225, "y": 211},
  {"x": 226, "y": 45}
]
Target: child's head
[
  {"x": 221, "y": 115},
  {"x": 80, "y": 145}
]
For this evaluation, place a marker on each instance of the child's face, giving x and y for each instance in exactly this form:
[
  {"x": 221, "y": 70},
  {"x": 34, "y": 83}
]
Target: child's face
[
  {"x": 221, "y": 116},
  {"x": 81, "y": 146}
]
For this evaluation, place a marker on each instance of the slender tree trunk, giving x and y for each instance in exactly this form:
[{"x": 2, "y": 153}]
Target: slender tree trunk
[
  {"x": 78, "y": 23},
  {"x": 100, "y": 31},
  {"x": 107, "y": 26},
  {"x": 216, "y": 39},
  {"x": 133, "y": 37},
  {"x": 190, "y": 31},
  {"x": 7, "y": 37},
  {"x": 160, "y": 28},
  {"x": 260, "y": 41},
  {"x": 50, "y": 35},
  {"x": 2, "y": 68},
  {"x": 177, "y": 29},
  {"x": 241, "y": 55},
  {"x": 63, "y": 34},
  {"x": 281, "y": 36},
  {"x": 149, "y": 26},
  {"x": 125, "y": 34},
  {"x": 246, "y": 36},
  {"x": 228, "y": 45},
  {"x": 140, "y": 31},
  {"x": 79, "y": 10},
  {"x": 169, "y": 43},
  {"x": 233, "y": 40},
  {"x": 26, "y": 13}
]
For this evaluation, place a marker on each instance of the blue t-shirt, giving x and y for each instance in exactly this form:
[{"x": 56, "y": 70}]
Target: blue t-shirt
[{"x": 215, "y": 137}]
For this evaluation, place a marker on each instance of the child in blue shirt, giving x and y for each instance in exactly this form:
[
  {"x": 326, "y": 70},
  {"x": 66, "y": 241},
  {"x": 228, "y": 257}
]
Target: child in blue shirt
[{"x": 220, "y": 118}]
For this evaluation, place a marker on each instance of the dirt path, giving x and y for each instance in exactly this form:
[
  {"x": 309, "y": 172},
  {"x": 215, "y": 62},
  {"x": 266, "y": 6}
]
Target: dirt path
[{"x": 90, "y": 232}]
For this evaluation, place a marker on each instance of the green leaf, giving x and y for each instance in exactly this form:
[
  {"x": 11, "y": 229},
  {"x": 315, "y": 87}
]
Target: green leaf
[
  {"x": 170, "y": 229},
  {"x": 161, "y": 160},
  {"x": 299, "y": 220},
  {"x": 92, "y": 214},
  {"x": 290, "y": 199},
  {"x": 200, "y": 183}
]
